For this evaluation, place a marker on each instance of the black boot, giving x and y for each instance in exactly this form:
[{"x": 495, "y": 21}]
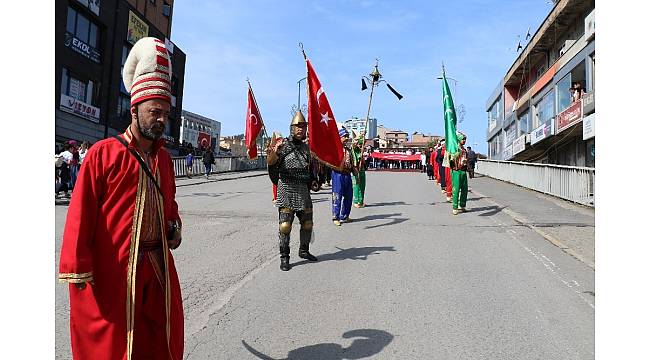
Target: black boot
[
  {"x": 284, "y": 264},
  {"x": 306, "y": 255}
]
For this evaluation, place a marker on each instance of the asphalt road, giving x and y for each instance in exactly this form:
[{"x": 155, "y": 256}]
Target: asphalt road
[{"x": 405, "y": 280}]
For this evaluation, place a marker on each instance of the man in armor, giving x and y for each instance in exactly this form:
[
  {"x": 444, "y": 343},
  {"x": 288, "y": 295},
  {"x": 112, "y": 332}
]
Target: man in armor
[
  {"x": 292, "y": 161},
  {"x": 458, "y": 165}
]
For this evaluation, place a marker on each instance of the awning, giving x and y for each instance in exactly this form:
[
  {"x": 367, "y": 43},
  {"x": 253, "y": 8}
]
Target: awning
[{"x": 398, "y": 157}]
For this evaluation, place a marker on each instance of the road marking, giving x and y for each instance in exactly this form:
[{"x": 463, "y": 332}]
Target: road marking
[
  {"x": 545, "y": 261},
  {"x": 523, "y": 221}
]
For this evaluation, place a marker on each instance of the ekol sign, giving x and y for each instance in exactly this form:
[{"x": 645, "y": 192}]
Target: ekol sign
[{"x": 81, "y": 47}]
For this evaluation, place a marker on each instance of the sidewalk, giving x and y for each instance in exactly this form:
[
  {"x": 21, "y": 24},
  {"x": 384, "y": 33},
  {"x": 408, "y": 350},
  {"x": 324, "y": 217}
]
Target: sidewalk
[
  {"x": 197, "y": 180},
  {"x": 568, "y": 226}
]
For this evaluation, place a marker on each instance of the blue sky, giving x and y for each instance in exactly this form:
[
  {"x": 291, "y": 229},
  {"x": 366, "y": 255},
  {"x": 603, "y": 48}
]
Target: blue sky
[{"x": 228, "y": 41}]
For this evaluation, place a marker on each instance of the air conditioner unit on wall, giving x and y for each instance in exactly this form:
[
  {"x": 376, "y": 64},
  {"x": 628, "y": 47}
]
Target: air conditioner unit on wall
[{"x": 566, "y": 46}]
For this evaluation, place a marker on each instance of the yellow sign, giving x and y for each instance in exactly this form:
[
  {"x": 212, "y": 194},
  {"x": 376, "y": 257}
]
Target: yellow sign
[{"x": 137, "y": 28}]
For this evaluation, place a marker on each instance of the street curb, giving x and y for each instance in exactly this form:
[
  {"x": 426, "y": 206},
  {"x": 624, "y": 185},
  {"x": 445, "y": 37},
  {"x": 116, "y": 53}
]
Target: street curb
[{"x": 525, "y": 222}]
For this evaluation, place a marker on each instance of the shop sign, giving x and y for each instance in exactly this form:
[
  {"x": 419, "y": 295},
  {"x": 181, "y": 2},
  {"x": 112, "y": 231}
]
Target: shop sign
[
  {"x": 588, "y": 128},
  {"x": 519, "y": 145},
  {"x": 569, "y": 117},
  {"x": 74, "y": 106},
  {"x": 81, "y": 47},
  {"x": 507, "y": 153},
  {"x": 542, "y": 132},
  {"x": 137, "y": 28}
]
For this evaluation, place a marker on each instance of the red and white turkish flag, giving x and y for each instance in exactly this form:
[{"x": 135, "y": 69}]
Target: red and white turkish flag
[
  {"x": 254, "y": 124},
  {"x": 324, "y": 141}
]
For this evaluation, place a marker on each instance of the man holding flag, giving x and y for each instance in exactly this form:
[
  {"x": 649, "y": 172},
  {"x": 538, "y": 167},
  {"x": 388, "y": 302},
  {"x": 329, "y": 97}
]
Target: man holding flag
[
  {"x": 325, "y": 139},
  {"x": 359, "y": 181},
  {"x": 451, "y": 150},
  {"x": 459, "y": 176}
]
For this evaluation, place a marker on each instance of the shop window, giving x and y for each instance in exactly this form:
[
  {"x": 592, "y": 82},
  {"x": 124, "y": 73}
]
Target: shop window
[{"x": 125, "y": 53}]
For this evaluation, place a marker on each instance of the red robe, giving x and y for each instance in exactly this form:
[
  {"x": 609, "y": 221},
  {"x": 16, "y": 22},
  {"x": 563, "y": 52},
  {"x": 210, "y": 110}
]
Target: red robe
[{"x": 100, "y": 244}]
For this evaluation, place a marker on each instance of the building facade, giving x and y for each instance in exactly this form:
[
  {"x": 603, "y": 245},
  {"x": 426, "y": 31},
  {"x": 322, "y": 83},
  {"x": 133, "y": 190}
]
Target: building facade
[
  {"x": 195, "y": 128},
  {"x": 359, "y": 125},
  {"x": 534, "y": 114},
  {"x": 93, "y": 39}
]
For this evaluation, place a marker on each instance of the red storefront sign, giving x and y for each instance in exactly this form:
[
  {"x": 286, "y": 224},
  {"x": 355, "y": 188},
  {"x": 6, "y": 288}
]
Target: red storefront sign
[
  {"x": 569, "y": 117},
  {"x": 400, "y": 157}
]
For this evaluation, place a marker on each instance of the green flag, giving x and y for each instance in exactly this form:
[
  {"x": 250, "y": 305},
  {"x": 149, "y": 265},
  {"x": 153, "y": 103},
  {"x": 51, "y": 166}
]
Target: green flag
[{"x": 451, "y": 140}]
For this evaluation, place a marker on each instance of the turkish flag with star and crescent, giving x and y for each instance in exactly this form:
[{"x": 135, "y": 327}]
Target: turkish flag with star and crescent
[
  {"x": 254, "y": 124},
  {"x": 324, "y": 141}
]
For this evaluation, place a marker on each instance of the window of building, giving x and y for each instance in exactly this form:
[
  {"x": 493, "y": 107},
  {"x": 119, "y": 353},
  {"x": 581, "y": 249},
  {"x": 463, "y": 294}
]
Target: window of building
[
  {"x": 524, "y": 123},
  {"x": 166, "y": 9},
  {"x": 82, "y": 28},
  {"x": 126, "y": 48},
  {"x": 563, "y": 91},
  {"x": 544, "y": 109},
  {"x": 86, "y": 91},
  {"x": 123, "y": 107}
]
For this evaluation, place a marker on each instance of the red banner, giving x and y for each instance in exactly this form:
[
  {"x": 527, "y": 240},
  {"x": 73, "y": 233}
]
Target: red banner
[
  {"x": 254, "y": 125},
  {"x": 203, "y": 140},
  {"x": 324, "y": 141},
  {"x": 398, "y": 157}
]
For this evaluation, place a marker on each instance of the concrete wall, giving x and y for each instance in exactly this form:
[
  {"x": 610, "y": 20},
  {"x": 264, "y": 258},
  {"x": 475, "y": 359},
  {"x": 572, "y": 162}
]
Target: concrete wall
[{"x": 223, "y": 164}]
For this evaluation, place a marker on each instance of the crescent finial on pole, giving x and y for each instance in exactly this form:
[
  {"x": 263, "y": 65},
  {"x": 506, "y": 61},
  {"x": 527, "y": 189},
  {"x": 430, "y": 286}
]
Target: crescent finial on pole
[{"x": 303, "y": 50}]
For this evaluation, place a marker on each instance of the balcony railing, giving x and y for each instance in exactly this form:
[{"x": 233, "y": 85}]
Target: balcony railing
[{"x": 567, "y": 182}]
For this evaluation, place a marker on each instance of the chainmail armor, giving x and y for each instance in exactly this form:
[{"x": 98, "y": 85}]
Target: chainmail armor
[{"x": 295, "y": 176}]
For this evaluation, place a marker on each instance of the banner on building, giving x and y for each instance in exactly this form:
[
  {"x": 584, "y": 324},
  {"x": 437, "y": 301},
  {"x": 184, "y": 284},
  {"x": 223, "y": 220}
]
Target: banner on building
[
  {"x": 519, "y": 145},
  {"x": 588, "y": 129},
  {"x": 542, "y": 132},
  {"x": 74, "y": 106},
  {"x": 137, "y": 28},
  {"x": 203, "y": 140},
  {"x": 569, "y": 117},
  {"x": 81, "y": 47},
  {"x": 507, "y": 153}
]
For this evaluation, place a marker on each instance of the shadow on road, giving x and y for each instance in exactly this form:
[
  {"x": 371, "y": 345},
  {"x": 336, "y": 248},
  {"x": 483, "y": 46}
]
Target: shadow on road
[
  {"x": 371, "y": 342},
  {"x": 387, "y": 204},
  {"x": 394, "y": 220},
  {"x": 360, "y": 253},
  {"x": 489, "y": 210}
]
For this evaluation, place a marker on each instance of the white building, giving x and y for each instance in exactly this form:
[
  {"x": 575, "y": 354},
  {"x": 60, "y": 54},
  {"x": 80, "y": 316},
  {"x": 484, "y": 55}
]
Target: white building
[
  {"x": 194, "y": 124},
  {"x": 359, "y": 125}
]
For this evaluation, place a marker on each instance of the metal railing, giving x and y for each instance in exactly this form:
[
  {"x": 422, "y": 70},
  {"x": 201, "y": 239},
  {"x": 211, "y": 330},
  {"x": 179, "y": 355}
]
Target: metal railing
[
  {"x": 567, "y": 182},
  {"x": 223, "y": 164}
]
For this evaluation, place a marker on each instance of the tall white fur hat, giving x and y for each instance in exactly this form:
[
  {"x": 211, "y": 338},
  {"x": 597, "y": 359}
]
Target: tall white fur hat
[{"x": 148, "y": 71}]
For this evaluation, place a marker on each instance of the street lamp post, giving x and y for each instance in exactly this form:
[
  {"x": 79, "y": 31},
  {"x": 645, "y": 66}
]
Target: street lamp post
[{"x": 299, "y": 91}]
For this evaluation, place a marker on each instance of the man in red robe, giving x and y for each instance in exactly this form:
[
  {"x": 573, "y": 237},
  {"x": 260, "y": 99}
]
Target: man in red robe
[{"x": 125, "y": 300}]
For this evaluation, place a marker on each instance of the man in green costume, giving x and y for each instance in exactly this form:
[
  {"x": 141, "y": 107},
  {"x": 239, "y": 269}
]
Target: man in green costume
[
  {"x": 459, "y": 175},
  {"x": 359, "y": 181}
]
